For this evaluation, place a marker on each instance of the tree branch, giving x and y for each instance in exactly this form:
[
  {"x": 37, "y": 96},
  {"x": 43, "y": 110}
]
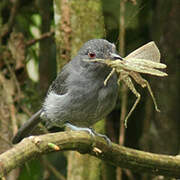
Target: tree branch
[
  {"x": 7, "y": 28},
  {"x": 80, "y": 141},
  {"x": 43, "y": 36}
]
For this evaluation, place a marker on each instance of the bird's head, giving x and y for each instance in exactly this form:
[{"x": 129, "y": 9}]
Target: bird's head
[{"x": 100, "y": 49}]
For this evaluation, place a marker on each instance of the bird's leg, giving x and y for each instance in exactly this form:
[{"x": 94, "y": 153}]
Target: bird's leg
[
  {"x": 127, "y": 80},
  {"x": 76, "y": 128},
  {"x": 144, "y": 83},
  {"x": 89, "y": 130},
  {"x": 108, "y": 77}
]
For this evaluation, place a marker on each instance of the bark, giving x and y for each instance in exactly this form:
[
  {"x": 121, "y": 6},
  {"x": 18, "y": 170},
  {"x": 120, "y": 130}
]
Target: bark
[{"x": 84, "y": 143}]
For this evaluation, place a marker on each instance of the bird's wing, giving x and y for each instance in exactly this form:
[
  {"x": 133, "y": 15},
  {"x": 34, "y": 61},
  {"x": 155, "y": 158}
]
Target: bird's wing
[{"x": 59, "y": 84}]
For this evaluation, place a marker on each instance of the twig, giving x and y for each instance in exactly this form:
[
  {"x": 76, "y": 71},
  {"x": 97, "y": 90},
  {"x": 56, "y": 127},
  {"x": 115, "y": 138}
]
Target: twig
[
  {"x": 43, "y": 36},
  {"x": 81, "y": 141},
  {"x": 26, "y": 110},
  {"x": 8, "y": 27},
  {"x": 13, "y": 118},
  {"x": 123, "y": 88}
]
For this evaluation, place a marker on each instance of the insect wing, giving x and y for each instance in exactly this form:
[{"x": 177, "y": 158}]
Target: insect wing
[
  {"x": 149, "y": 52},
  {"x": 144, "y": 63},
  {"x": 145, "y": 70}
]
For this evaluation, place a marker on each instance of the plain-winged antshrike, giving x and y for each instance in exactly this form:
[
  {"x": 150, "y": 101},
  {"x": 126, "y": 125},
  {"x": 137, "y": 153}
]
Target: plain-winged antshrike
[{"x": 78, "y": 98}]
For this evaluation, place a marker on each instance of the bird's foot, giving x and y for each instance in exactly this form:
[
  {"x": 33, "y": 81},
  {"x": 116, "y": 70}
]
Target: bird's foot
[{"x": 89, "y": 130}]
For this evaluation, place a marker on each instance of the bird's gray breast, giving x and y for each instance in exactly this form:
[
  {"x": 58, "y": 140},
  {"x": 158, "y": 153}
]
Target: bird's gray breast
[{"x": 87, "y": 99}]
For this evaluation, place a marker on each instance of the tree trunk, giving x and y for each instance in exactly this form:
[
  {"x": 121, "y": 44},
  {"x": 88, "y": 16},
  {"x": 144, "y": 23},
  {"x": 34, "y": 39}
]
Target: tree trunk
[
  {"x": 47, "y": 66},
  {"x": 80, "y": 21}
]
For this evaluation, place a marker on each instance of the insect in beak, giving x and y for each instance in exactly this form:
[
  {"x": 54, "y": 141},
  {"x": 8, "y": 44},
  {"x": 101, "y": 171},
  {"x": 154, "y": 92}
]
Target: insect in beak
[{"x": 145, "y": 60}]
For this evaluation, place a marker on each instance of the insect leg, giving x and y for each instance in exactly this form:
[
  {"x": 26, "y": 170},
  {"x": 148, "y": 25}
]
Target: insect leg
[
  {"x": 108, "y": 77},
  {"x": 127, "y": 80},
  {"x": 144, "y": 83}
]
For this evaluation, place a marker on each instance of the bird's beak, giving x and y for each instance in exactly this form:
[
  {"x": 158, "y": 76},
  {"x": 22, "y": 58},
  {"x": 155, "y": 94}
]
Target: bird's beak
[{"x": 115, "y": 56}]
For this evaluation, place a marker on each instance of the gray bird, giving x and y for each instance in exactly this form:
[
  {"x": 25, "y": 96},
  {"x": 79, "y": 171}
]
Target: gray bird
[{"x": 78, "y": 98}]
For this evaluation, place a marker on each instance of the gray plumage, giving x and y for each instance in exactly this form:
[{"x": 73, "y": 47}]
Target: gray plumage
[{"x": 78, "y": 95}]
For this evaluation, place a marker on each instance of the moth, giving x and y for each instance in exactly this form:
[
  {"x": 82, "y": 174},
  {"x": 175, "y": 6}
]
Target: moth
[{"x": 145, "y": 60}]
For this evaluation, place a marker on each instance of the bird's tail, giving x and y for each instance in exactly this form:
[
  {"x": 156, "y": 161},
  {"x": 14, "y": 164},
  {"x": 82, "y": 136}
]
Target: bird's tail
[{"x": 27, "y": 127}]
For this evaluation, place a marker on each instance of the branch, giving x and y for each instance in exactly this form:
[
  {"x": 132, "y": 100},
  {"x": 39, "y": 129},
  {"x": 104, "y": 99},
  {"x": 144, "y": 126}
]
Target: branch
[
  {"x": 80, "y": 141},
  {"x": 7, "y": 28},
  {"x": 43, "y": 36}
]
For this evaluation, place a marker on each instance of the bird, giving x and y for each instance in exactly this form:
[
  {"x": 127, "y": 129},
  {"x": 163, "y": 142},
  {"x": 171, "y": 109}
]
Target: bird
[{"x": 78, "y": 98}]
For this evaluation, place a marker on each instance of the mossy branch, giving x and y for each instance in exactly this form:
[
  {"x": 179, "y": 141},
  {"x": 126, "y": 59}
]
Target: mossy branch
[{"x": 82, "y": 142}]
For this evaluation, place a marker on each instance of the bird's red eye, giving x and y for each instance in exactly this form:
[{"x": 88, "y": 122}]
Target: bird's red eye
[{"x": 91, "y": 55}]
